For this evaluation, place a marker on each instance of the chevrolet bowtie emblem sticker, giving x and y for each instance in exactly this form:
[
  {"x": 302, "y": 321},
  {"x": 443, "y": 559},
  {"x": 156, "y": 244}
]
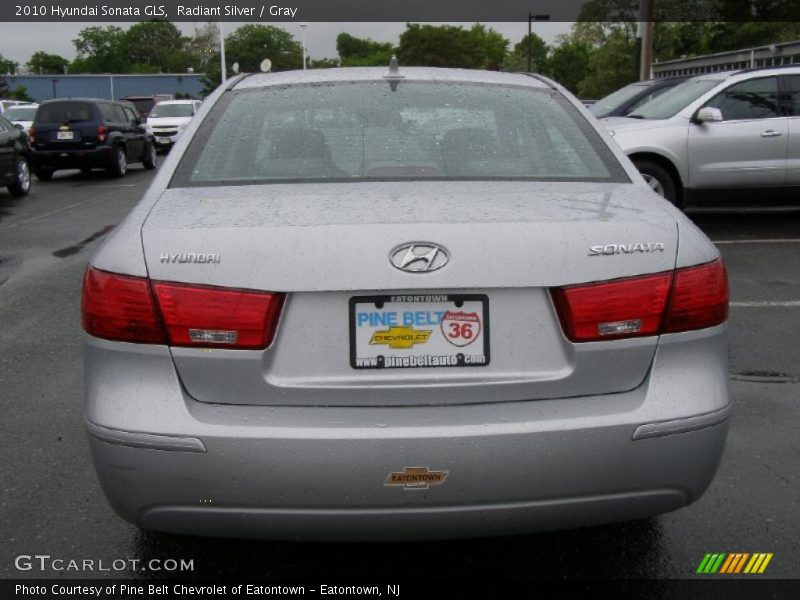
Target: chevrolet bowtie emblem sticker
[
  {"x": 400, "y": 337},
  {"x": 415, "y": 478}
]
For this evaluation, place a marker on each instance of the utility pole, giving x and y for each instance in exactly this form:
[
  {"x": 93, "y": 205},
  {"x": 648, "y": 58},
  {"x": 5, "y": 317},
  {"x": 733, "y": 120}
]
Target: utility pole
[
  {"x": 645, "y": 26},
  {"x": 223, "y": 68},
  {"x": 532, "y": 18},
  {"x": 303, "y": 42}
]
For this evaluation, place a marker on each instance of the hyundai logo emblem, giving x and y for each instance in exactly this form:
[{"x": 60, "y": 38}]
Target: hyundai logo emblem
[{"x": 419, "y": 257}]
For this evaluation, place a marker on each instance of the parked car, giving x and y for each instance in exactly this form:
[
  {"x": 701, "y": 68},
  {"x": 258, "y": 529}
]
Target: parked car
[
  {"x": 86, "y": 134},
  {"x": 168, "y": 119},
  {"x": 425, "y": 304},
  {"x": 627, "y": 99},
  {"x": 6, "y": 104},
  {"x": 15, "y": 172},
  {"x": 719, "y": 138},
  {"x": 144, "y": 104},
  {"x": 21, "y": 116}
]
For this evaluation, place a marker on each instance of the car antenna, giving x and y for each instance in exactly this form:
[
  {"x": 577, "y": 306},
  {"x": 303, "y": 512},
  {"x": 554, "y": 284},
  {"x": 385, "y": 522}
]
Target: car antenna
[{"x": 393, "y": 75}]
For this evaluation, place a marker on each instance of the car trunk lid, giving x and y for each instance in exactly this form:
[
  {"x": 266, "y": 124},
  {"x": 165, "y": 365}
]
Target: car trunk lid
[{"x": 328, "y": 246}]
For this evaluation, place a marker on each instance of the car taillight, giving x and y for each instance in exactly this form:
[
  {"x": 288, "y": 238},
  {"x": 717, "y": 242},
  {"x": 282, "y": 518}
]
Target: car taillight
[
  {"x": 699, "y": 298},
  {"x": 135, "y": 309},
  {"x": 689, "y": 298},
  {"x": 32, "y": 134},
  {"x": 101, "y": 133},
  {"x": 120, "y": 307},
  {"x": 214, "y": 317},
  {"x": 613, "y": 309}
]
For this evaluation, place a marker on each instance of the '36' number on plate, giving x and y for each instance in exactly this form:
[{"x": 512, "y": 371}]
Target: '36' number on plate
[{"x": 460, "y": 330}]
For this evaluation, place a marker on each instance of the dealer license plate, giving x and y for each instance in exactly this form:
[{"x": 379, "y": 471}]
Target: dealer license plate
[{"x": 419, "y": 330}]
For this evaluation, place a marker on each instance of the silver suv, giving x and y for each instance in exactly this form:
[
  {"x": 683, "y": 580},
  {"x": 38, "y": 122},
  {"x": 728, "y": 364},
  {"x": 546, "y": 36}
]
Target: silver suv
[{"x": 719, "y": 137}]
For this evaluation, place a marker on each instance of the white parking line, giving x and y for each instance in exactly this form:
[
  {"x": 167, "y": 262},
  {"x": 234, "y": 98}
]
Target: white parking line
[
  {"x": 772, "y": 241},
  {"x": 113, "y": 186},
  {"x": 767, "y": 304},
  {"x": 39, "y": 217}
]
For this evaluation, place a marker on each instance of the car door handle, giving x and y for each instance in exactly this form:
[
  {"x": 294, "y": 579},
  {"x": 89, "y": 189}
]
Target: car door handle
[{"x": 771, "y": 133}]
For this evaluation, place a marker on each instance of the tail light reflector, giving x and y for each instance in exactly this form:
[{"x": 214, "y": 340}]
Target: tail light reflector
[
  {"x": 119, "y": 307},
  {"x": 218, "y": 317},
  {"x": 135, "y": 309},
  {"x": 101, "y": 133},
  {"x": 32, "y": 134},
  {"x": 689, "y": 298}
]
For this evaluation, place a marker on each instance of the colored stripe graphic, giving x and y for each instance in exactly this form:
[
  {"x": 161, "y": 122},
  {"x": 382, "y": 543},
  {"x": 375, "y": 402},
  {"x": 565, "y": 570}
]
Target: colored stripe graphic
[
  {"x": 727, "y": 564},
  {"x": 765, "y": 563},
  {"x": 734, "y": 563}
]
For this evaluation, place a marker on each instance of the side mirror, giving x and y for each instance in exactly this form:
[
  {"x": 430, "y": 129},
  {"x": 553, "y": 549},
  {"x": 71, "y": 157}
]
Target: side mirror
[
  {"x": 708, "y": 114},
  {"x": 19, "y": 126}
]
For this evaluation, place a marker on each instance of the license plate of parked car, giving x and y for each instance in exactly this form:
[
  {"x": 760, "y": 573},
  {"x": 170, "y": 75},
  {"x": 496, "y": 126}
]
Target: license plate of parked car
[
  {"x": 419, "y": 330},
  {"x": 66, "y": 135},
  {"x": 163, "y": 140}
]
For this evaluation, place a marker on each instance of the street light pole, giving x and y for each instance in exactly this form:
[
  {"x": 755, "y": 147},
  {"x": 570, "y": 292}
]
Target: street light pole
[
  {"x": 532, "y": 18},
  {"x": 222, "y": 52},
  {"x": 303, "y": 42}
]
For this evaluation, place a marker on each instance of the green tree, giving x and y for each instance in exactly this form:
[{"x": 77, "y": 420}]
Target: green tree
[
  {"x": 440, "y": 46},
  {"x": 213, "y": 76},
  {"x": 42, "y": 63},
  {"x": 204, "y": 46},
  {"x": 100, "y": 50},
  {"x": 493, "y": 45},
  {"x": 517, "y": 60},
  {"x": 568, "y": 63},
  {"x": 252, "y": 43},
  {"x": 362, "y": 52},
  {"x": 156, "y": 47},
  {"x": 610, "y": 66},
  {"x": 7, "y": 66},
  {"x": 19, "y": 93}
]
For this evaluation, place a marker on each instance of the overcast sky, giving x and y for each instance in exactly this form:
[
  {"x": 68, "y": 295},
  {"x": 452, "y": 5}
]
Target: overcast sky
[{"x": 19, "y": 40}]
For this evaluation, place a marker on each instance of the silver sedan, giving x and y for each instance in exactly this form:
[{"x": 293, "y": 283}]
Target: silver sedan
[{"x": 422, "y": 303}]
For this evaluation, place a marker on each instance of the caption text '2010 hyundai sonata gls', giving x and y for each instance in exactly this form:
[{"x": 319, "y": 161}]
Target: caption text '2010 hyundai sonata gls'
[{"x": 426, "y": 303}]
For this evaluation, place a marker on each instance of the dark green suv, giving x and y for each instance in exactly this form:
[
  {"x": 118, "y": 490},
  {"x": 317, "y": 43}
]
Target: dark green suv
[{"x": 85, "y": 134}]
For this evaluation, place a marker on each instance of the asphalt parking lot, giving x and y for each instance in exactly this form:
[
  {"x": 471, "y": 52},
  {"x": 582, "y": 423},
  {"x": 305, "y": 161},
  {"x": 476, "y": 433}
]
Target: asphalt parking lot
[{"x": 53, "y": 503}]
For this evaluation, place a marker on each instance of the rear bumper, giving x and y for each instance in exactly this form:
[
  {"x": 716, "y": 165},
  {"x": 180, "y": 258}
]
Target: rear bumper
[
  {"x": 72, "y": 158},
  {"x": 170, "y": 463}
]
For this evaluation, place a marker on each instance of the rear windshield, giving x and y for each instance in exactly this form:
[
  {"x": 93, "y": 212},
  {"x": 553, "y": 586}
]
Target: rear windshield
[
  {"x": 172, "y": 110},
  {"x": 65, "y": 112},
  {"x": 20, "y": 113},
  {"x": 357, "y": 130}
]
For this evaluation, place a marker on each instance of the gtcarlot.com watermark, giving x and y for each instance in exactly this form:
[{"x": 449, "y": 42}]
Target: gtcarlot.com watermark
[{"x": 46, "y": 563}]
